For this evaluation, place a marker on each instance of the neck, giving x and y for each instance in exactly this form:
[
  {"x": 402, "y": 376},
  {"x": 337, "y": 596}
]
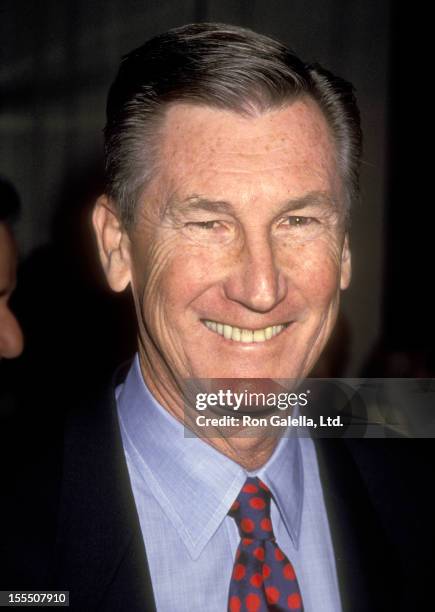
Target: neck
[
  {"x": 250, "y": 447},
  {"x": 251, "y": 453}
]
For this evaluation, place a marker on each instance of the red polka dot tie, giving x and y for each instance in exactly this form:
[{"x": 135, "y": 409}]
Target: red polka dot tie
[{"x": 263, "y": 578}]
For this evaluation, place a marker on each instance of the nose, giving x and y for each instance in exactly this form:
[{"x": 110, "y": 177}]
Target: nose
[
  {"x": 11, "y": 336},
  {"x": 256, "y": 281}
]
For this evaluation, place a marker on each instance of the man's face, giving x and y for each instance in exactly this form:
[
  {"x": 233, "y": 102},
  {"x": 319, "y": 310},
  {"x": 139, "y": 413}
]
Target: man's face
[
  {"x": 239, "y": 250},
  {"x": 11, "y": 337}
]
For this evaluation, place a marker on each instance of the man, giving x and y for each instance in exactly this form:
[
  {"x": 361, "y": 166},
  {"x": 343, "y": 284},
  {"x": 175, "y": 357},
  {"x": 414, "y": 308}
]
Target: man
[
  {"x": 11, "y": 337},
  {"x": 240, "y": 222},
  {"x": 231, "y": 167}
]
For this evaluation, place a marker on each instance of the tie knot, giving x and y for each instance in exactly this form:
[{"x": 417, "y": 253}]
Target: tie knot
[{"x": 251, "y": 511}]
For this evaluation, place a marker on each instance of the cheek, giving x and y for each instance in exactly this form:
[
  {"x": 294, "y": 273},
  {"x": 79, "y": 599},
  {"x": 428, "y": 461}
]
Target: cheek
[
  {"x": 172, "y": 275},
  {"x": 314, "y": 271},
  {"x": 191, "y": 272}
]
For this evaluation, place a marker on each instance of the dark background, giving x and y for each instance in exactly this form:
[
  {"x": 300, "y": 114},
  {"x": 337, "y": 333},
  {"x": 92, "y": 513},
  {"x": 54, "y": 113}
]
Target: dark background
[{"x": 58, "y": 60}]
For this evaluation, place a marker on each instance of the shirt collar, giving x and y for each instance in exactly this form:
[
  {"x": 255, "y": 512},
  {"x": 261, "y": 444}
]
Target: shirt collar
[{"x": 193, "y": 483}]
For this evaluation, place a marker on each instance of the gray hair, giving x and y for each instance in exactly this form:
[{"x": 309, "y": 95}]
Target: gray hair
[{"x": 220, "y": 66}]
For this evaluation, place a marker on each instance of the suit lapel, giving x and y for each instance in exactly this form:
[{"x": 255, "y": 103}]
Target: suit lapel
[
  {"x": 365, "y": 560},
  {"x": 100, "y": 552}
]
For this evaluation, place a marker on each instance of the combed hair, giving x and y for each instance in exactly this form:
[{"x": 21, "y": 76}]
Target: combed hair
[{"x": 220, "y": 66}]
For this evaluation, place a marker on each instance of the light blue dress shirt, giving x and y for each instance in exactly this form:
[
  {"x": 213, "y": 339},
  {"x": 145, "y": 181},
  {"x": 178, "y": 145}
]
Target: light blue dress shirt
[{"x": 183, "y": 489}]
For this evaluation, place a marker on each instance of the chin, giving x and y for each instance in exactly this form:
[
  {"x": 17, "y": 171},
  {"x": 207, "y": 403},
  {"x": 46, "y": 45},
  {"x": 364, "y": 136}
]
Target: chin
[{"x": 237, "y": 370}]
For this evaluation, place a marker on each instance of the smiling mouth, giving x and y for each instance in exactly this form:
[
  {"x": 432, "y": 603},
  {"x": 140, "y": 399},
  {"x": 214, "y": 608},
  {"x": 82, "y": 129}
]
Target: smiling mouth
[{"x": 240, "y": 334}]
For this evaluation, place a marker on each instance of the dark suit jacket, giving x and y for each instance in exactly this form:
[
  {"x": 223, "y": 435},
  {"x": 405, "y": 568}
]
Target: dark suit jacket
[{"x": 69, "y": 520}]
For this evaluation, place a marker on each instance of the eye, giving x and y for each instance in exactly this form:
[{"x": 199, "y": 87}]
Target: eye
[
  {"x": 214, "y": 231},
  {"x": 294, "y": 229},
  {"x": 205, "y": 225},
  {"x": 298, "y": 221}
]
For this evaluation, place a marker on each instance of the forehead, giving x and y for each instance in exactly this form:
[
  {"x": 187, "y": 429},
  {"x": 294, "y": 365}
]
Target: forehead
[{"x": 219, "y": 153}]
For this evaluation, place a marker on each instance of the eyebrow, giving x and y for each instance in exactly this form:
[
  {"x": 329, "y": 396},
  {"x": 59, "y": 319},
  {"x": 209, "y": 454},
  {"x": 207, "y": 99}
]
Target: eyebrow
[
  {"x": 313, "y": 198},
  {"x": 200, "y": 203}
]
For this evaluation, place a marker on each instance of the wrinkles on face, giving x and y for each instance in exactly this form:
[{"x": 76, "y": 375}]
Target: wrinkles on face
[{"x": 242, "y": 225}]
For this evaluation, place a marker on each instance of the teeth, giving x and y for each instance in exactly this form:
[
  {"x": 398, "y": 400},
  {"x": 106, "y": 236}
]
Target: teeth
[
  {"x": 235, "y": 334},
  {"x": 247, "y": 335},
  {"x": 228, "y": 330},
  {"x": 244, "y": 335},
  {"x": 259, "y": 335}
]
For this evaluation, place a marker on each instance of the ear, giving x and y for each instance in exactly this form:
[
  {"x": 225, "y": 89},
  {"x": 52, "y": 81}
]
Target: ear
[
  {"x": 346, "y": 264},
  {"x": 113, "y": 244}
]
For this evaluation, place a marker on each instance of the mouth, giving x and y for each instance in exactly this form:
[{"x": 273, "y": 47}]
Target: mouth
[{"x": 244, "y": 335}]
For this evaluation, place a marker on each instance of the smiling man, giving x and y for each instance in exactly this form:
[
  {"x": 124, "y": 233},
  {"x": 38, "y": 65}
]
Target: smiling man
[
  {"x": 231, "y": 168},
  {"x": 235, "y": 245}
]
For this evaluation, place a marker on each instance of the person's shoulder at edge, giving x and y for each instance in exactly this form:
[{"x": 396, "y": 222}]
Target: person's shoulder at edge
[{"x": 32, "y": 447}]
